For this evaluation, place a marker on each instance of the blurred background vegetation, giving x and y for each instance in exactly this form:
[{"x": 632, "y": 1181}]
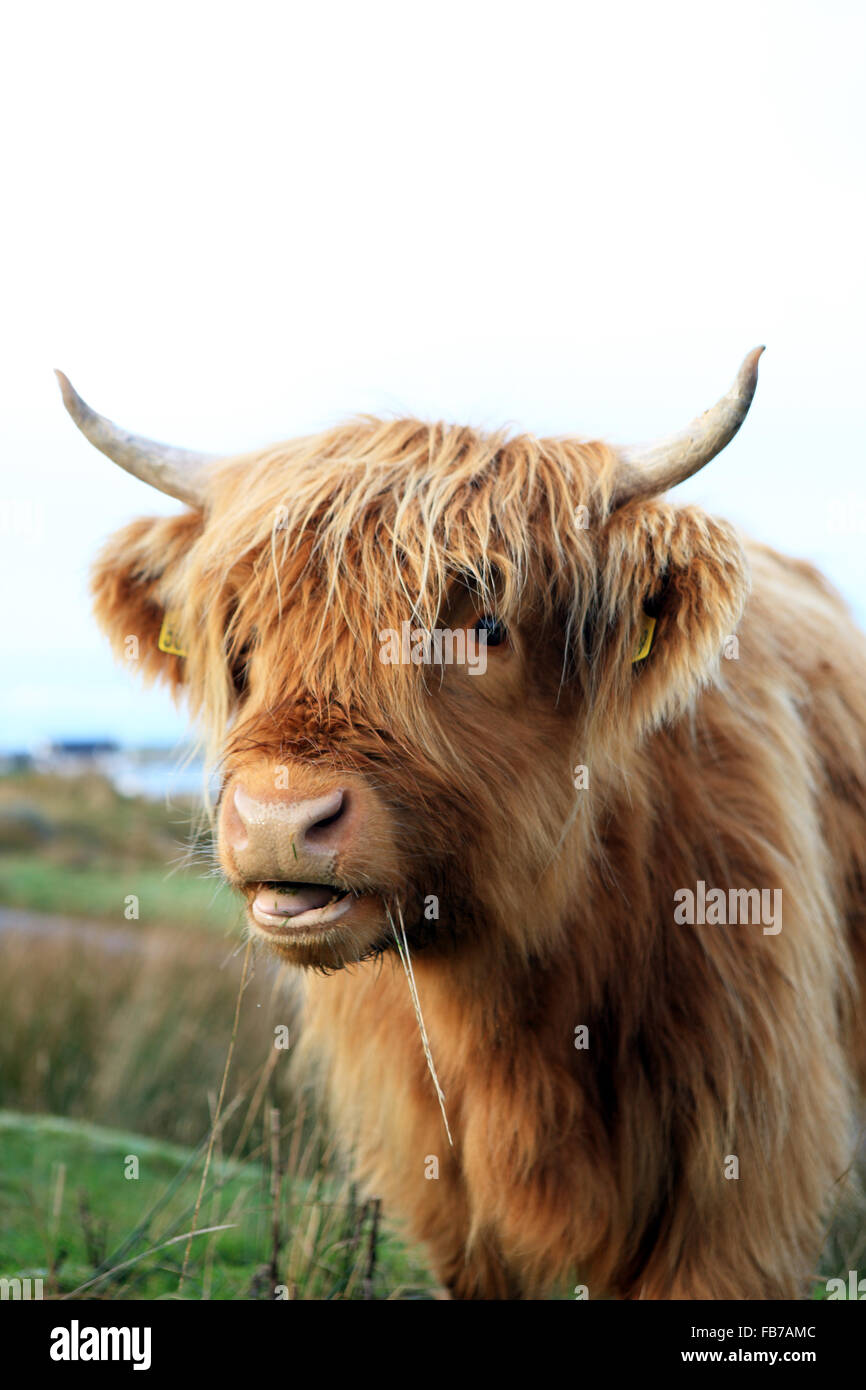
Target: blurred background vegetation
[{"x": 113, "y": 1044}]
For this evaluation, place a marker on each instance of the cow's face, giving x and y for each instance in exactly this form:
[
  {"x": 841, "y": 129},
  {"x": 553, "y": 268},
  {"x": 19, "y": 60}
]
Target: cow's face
[
  {"x": 399, "y": 695},
  {"x": 406, "y": 794},
  {"x": 402, "y": 641}
]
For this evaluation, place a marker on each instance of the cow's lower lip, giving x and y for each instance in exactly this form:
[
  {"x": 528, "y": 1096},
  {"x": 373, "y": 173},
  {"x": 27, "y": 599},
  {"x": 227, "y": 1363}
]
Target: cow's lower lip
[{"x": 286, "y": 909}]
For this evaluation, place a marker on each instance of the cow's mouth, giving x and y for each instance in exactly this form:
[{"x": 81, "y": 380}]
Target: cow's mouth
[
  {"x": 314, "y": 924},
  {"x": 287, "y": 907}
]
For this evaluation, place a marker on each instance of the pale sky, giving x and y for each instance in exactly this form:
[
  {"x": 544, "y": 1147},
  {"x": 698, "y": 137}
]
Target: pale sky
[{"x": 230, "y": 224}]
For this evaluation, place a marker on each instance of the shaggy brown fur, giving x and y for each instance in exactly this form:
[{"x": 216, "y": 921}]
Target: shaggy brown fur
[{"x": 556, "y": 905}]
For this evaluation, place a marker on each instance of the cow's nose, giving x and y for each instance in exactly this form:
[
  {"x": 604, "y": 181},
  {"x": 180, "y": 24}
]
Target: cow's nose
[{"x": 285, "y": 831}]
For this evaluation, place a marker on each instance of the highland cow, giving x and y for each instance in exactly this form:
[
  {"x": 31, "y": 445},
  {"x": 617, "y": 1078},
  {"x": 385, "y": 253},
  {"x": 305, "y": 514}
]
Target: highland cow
[{"x": 658, "y": 1107}]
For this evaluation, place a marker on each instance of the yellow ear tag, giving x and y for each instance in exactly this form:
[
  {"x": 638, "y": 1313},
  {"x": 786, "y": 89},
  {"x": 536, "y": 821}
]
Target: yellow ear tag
[
  {"x": 168, "y": 639},
  {"x": 647, "y": 632}
]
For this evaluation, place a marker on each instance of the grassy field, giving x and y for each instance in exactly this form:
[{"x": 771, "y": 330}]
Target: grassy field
[
  {"x": 77, "y": 847},
  {"x": 70, "y": 1216},
  {"x": 115, "y": 1034},
  {"x": 133, "y": 1028}
]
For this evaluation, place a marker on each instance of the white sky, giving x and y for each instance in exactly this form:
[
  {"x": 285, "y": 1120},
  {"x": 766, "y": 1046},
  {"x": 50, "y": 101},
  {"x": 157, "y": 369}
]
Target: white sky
[{"x": 230, "y": 224}]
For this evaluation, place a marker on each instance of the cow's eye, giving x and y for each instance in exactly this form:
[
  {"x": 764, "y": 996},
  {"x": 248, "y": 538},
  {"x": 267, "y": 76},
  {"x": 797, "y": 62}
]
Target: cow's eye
[
  {"x": 497, "y": 633},
  {"x": 240, "y": 672},
  {"x": 239, "y": 678}
]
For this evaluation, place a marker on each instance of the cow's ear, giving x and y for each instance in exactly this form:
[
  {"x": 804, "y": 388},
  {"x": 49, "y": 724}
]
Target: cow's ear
[
  {"x": 673, "y": 584},
  {"x": 135, "y": 581}
]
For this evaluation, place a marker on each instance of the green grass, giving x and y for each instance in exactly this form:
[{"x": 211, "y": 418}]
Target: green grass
[
  {"x": 76, "y": 847},
  {"x": 164, "y": 898},
  {"x": 68, "y": 1215},
  {"x": 130, "y": 1028}
]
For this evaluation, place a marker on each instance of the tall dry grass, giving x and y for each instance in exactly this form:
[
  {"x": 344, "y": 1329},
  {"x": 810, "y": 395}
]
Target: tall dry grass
[
  {"x": 134, "y": 1031},
  {"x": 131, "y": 1028}
]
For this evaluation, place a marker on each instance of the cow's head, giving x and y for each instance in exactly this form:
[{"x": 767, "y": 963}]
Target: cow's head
[{"x": 372, "y": 774}]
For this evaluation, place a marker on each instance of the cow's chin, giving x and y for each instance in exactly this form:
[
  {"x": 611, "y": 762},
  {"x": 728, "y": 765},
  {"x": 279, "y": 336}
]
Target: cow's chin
[{"x": 349, "y": 929}]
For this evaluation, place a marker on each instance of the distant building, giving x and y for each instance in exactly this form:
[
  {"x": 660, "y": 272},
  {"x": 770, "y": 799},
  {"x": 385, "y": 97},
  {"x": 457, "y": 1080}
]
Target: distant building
[
  {"x": 155, "y": 773},
  {"x": 82, "y": 748},
  {"x": 72, "y": 756}
]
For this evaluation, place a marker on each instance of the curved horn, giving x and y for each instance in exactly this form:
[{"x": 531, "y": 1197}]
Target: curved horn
[
  {"x": 180, "y": 473},
  {"x": 650, "y": 469}
]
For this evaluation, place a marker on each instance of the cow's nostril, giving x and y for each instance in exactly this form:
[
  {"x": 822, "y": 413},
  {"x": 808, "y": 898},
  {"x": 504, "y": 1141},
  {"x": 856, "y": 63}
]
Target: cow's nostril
[{"x": 318, "y": 831}]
